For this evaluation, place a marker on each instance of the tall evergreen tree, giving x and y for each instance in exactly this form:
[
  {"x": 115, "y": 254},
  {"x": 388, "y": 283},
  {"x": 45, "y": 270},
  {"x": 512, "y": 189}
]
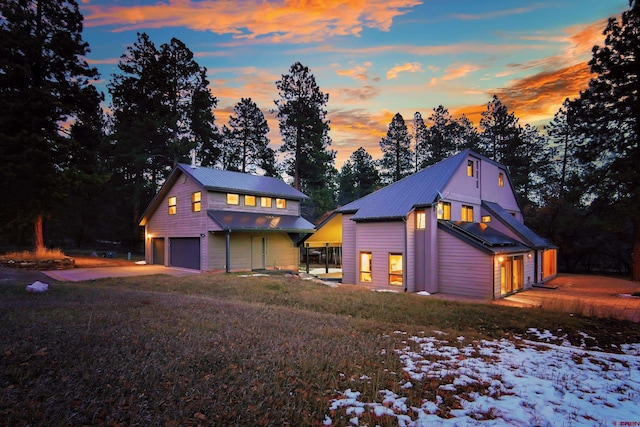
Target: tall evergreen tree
[
  {"x": 500, "y": 131},
  {"x": 442, "y": 136},
  {"x": 162, "y": 110},
  {"x": 358, "y": 177},
  {"x": 610, "y": 122},
  {"x": 301, "y": 110},
  {"x": 45, "y": 85},
  {"x": 249, "y": 134},
  {"x": 421, "y": 141},
  {"x": 397, "y": 158}
]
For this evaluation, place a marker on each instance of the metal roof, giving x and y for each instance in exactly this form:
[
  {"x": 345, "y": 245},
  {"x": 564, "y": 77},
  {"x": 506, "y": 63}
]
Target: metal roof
[
  {"x": 483, "y": 237},
  {"x": 251, "y": 221},
  {"x": 243, "y": 183},
  {"x": 395, "y": 201},
  {"x": 521, "y": 230}
]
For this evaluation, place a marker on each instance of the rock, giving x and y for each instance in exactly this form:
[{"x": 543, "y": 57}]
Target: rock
[{"x": 37, "y": 287}]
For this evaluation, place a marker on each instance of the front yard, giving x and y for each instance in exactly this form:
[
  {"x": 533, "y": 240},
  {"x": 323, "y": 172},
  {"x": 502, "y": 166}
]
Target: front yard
[{"x": 230, "y": 350}]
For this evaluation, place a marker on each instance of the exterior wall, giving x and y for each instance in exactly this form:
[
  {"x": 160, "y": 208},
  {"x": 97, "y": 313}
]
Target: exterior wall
[
  {"x": 463, "y": 269},
  {"x": 184, "y": 223},
  {"x": 381, "y": 239},
  {"x": 280, "y": 253},
  {"x": 466, "y": 190},
  {"x": 218, "y": 201},
  {"x": 349, "y": 254}
]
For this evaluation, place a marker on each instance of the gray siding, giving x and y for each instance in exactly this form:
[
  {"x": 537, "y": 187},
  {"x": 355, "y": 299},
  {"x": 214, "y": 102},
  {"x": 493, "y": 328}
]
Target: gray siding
[
  {"x": 463, "y": 270},
  {"x": 183, "y": 224},
  {"x": 349, "y": 254},
  {"x": 381, "y": 239}
]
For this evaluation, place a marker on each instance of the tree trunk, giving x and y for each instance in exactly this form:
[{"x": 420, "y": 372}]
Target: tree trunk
[
  {"x": 635, "y": 255},
  {"x": 38, "y": 238}
]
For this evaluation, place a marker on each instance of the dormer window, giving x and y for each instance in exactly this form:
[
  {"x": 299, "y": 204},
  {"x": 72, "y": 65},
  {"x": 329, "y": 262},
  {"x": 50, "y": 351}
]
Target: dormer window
[
  {"x": 265, "y": 202},
  {"x": 444, "y": 211},
  {"x": 249, "y": 200},
  {"x": 281, "y": 203},
  {"x": 467, "y": 213},
  {"x": 233, "y": 199}
]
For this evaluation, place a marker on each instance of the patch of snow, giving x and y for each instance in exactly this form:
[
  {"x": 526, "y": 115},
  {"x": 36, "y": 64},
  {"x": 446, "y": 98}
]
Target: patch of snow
[
  {"x": 424, "y": 293},
  {"x": 139, "y": 262},
  {"x": 518, "y": 383},
  {"x": 37, "y": 287}
]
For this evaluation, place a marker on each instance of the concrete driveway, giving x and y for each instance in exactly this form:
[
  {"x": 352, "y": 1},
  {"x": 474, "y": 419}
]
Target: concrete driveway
[{"x": 82, "y": 274}]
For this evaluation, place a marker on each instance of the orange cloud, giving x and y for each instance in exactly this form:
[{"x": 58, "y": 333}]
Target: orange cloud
[
  {"x": 413, "y": 67},
  {"x": 358, "y": 72},
  {"x": 496, "y": 14},
  {"x": 285, "y": 20}
]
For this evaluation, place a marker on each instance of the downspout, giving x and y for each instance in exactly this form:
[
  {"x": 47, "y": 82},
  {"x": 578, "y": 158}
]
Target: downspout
[
  {"x": 228, "y": 251},
  {"x": 405, "y": 258}
]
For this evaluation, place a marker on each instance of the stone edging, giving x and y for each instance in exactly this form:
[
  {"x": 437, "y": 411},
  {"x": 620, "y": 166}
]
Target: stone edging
[{"x": 49, "y": 264}]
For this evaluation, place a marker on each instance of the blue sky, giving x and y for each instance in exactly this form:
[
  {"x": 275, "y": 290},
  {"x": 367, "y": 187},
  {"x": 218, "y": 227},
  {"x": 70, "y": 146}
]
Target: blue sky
[{"x": 374, "y": 58}]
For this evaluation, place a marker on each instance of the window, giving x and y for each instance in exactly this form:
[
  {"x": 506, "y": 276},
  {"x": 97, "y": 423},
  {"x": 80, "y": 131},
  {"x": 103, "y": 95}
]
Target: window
[
  {"x": 467, "y": 213},
  {"x": 173, "y": 205},
  {"x": 233, "y": 199},
  {"x": 470, "y": 168},
  {"x": 265, "y": 202},
  {"x": 281, "y": 203},
  {"x": 249, "y": 200},
  {"x": 196, "y": 201},
  {"x": 444, "y": 210},
  {"x": 421, "y": 220},
  {"x": 486, "y": 218},
  {"x": 395, "y": 269},
  {"x": 365, "y": 267},
  {"x": 500, "y": 179}
]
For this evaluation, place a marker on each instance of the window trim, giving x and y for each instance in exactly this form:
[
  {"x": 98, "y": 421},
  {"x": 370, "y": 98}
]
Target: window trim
[
  {"x": 248, "y": 197},
  {"x": 362, "y": 272},
  {"x": 231, "y": 196},
  {"x": 394, "y": 273},
  {"x": 196, "y": 201},
  {"x": 464, "y": 213},
  {"x": 173, "y": 205},
  {"x": 444, "y": 210},
  {"x": 421, "y": 219}
]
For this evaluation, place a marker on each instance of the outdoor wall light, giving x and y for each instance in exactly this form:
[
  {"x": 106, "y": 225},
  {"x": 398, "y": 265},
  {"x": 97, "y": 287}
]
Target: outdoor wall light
[
  {"x": 202, "y": 235},
  {"x": 500, "y": 259}
]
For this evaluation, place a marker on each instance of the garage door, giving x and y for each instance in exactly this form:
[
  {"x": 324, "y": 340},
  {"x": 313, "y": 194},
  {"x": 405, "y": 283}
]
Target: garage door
[{"x": 185, "y": 252}]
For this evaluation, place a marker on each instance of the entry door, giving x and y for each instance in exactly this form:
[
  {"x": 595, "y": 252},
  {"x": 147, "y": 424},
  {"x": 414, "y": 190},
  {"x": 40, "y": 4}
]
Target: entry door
[
  {"x": 258, "y": 245},
  {"x": 157, "y": 246},
  {"x": 512, "y": 275}
]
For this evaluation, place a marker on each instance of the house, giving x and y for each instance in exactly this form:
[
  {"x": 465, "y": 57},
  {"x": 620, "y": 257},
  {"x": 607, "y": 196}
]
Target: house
[
  {"x": 455, "y": 227},
  {"x": 207, "y": 219}
]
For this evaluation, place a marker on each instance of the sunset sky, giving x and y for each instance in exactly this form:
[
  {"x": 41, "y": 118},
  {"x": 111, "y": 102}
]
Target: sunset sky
[{"x": 374, "y": 58}]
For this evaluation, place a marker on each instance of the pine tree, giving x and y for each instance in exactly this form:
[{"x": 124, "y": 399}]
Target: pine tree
[
  {"x": 421, "y": 139},
  {"x": 397, "y": 158},
  {"x": 442, "y": 135},
  {"x": 45, "y": 84},
  {"x": 609, "y": 120},
  {"x": 249, "y": 131},
  {"x": 358, "y": 177},
  {"x": 304, "y": 129}
]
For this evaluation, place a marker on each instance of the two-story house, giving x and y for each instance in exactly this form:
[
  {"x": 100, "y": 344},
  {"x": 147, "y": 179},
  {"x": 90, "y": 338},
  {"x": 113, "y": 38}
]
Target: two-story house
[
  {"x": 216, "y": 220},
  {"x": 454, "y": 227}
]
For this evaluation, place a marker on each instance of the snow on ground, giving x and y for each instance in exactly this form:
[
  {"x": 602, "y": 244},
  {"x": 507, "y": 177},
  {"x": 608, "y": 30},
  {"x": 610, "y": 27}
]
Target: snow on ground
[{"x": 503, "y": 382}]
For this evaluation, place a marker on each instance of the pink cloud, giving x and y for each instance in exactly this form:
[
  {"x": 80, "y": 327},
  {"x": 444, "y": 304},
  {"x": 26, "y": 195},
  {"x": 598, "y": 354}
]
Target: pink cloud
[
  {"x": 412, "y": 67},
  {"x": 287, "y": 20}
]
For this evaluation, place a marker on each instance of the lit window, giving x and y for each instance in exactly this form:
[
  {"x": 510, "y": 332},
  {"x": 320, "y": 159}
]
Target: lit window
[
  {"x": 486, "y": 218},
  {"x": 467, "y": 213},
  {"x": 421, "y": 220},
  {"x": 470, "y": 168},
  {"x": 365, "y": 267},
  {"x": 196, "y": 201},
  {"x": 265, "y": 202},
  {"x": 173, "y": 205},
  {"x": 444, "y": 211},
  {"x": 249, "y": 200},
  {"x": 500, "y": 179},
  {"x": 281, "y": 203},
  {"x": 395, "y": 269},
  {"x": 233, "y": 199}
]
